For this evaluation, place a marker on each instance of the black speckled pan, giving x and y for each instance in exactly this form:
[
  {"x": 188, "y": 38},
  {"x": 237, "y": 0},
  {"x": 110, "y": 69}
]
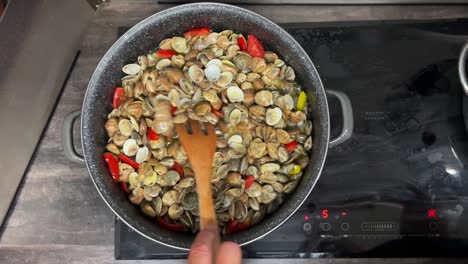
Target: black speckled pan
[{"x": 144, "y": 37}]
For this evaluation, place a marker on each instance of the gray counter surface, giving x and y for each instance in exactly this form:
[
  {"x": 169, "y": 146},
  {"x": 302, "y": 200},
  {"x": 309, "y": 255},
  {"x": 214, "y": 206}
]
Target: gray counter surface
[{"x": 58, "y": 217}]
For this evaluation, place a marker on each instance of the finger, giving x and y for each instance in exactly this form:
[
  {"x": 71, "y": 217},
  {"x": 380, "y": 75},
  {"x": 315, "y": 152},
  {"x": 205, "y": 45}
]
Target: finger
[
  {"x": 201, "y": 250},
  {"x": 229, "y": 253}
]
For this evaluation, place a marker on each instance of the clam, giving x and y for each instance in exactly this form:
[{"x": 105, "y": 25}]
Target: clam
[
  {"x": 273, "y": 116},
  {"x": 282, "y": 136},
  {"x": 137, "y": 196},
  {"x": 134, "y": 180},
  {"x": 243, "y": 62},
  {"x": 171, "y": 177},
  {"x": 240, "y": 78},
  {"x": 258, "y": 84},
  {"x": 157, "y": 205},
  {"x": 142, "y": 154},
  {"x": 232, "y": 51},
  {"x": 217, "y": 51},
  {"x": 130, "y": 147},
  {"x": 290, "y": 186},
  {"x": 174, "y": 97},
  {"x": 131, "y": 69},
  {"x": 258, "y": 64},
  {"x": 119, "y": 139},
  {"x": 170, "y": 197},
  {"x": 196, "y": 74},
  {"x": 249, "y": 97},
  {"x": 269, "y": 167},
  {"x": 255, "y": 190},
  {"x": 214, "y": 62},
  {"x": 150, "y": 178},
  {"x": 163, "y": 64},
  {"x": 257, "y": 149},
  {"x": 264, "y": 98},
  {"x": 174, "y": 75},
  {"x": 270, "y": 56},
  {"x": 235, "y": 94},
  {"x": 177, "y": 61},
  {"x": 152, "y": 191},
  {"x": 165, "y": 44},
  {"x": 111, "y": 126},
  {"x": 175, "y": 211},
  {"x": 235, "y": 117},
  {"x": 234, "y": 179},
  {"x": 190, "y": 201},
  {"x": 222, "y": 171},
  {"x": 212, "y": 38},
  {"x": 297, "y": 117},
  {"x": 202, "y": 108},
  {"x": 113, "y": 148},
  {"x": 235, "y": 192},
  {"x": 283, "y": 154},
  {"x": 125, "y": 127},
  {"x": 212, "y": 73},
  {"x": 147, "y": 209},
  {"x": 235, "y": 139},
  {"x": 223, "y": 42},
  {"x": 254, "y": 204},
  {"x": 225, "y": 79},
  {"x": 308, "y": 143},
  {"x": 289, "y": 74},
  {"x": 268, "y": 177},
  {"x": 288, "y": 101},
  {"x": 179, "y": 45},
  {"x": 143, "y": 61}
]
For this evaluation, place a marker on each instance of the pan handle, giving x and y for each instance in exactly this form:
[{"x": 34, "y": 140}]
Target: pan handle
[
  {"x": 348, "y": 121},
  {"x": 462, "y": 69},
  {"x": 67, "y": 137}
]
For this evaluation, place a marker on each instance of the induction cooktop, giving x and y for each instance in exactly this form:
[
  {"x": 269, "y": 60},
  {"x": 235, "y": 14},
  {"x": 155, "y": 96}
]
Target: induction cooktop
[{"x": 399, "y": 186}]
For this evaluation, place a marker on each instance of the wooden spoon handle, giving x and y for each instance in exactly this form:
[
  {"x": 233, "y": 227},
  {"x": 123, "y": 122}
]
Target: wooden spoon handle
[{"x": 205, "y": 195}]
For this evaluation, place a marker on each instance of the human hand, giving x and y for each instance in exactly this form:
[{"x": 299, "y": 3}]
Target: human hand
[{"x": 206, "y": 245}]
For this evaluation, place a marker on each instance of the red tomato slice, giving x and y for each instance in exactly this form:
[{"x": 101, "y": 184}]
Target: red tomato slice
[
  {"x": 291, "y": 146},
  {"x": 217, "y": 112},
  {"x": 242, "y": 43},
  {"x": 254, "y": 47},
  {"x": 113, "y": 164},
  {"x": 173, "y": 227},
  {"x": 129, "y": 161},
  {"x": 119, "y": 97},
  {"x": 152, "y": 135},
  {"x": 165, "y": 54},
  {"x": 197, "y": 32},
  {"x": 179, "y": 169},
  {"x": 249, "y": 181},
  {"x": 125, "y": 187}
]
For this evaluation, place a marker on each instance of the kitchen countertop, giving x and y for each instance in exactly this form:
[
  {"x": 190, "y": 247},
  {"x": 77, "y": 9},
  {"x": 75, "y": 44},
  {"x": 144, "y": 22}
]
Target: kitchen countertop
[{"x": 58, "y": 217}]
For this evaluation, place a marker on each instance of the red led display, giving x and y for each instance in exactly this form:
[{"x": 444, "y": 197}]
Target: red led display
[
  {"x": 431, "y": 213},
  {"x": 344, "y": 213},
  {"x": 306, "y": 217},
  {"x": 325, "y": 213}
]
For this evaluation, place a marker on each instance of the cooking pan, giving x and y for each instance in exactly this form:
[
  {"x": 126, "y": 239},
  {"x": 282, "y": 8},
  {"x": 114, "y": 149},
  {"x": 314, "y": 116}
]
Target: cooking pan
[{"x": 144, "y": 37}]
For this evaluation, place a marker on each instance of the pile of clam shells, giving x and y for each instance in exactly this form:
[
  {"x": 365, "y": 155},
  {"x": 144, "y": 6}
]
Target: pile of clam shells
[{"x": 252, "y": 101}]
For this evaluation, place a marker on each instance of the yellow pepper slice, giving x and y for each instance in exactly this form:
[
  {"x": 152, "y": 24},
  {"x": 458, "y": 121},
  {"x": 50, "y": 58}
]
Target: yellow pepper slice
[
  {"x": 301, "y": 101},
  {"x": 296, "y": 169}
]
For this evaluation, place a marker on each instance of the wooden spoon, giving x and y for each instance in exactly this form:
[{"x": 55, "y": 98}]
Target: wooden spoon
[{"x": 200, "y": 146}]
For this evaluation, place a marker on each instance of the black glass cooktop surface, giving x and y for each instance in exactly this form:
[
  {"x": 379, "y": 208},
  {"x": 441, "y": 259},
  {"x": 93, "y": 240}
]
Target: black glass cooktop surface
[{"x": 399, "y": 186}]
